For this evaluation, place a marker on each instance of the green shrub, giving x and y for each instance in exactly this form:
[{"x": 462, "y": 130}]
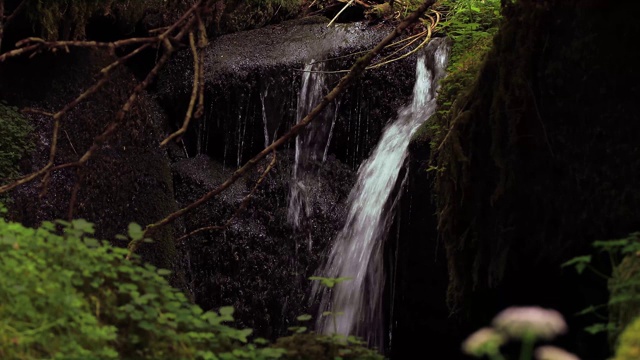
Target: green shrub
[
  {"x": 623, "y": 282},
  {"x": 629, "y": 345},
  {"x": 321, "y": 347},
  {"x": 14, "y": 141},
  {"x": 65, "y": 295},
  {"x": 471, "y": 24}
]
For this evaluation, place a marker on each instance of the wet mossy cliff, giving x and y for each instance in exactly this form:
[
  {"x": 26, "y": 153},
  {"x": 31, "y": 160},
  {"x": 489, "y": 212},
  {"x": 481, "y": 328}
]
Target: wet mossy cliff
[
  {"x": 261, "y": 263},
  {"x": 537, "y": 159}
]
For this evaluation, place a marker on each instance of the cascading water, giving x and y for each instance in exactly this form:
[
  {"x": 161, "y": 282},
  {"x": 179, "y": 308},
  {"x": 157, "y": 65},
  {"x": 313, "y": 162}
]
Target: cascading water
[
  {"x": 357, "y": 250},
  {"x": 312, "y": 144}
]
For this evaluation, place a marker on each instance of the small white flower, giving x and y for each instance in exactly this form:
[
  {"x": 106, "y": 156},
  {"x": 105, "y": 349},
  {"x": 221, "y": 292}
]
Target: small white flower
[
  {"x": 485, "y": 341},
  {"x": 531, "y": 321},
  {"x": 554, "y": 353}
]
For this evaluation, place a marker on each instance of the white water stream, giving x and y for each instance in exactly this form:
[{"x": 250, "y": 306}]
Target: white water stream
[{"x": 357, "y": 251}]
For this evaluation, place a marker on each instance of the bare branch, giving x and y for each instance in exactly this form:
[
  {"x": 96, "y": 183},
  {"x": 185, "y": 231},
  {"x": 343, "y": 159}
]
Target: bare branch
[
  {"x": 194, "y": 91},
  {"x": 187, "y": 21},
  {"x": 356, "y": 70}
]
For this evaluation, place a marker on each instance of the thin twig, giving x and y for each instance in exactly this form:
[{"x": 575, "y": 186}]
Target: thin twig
[
  {"x": 413, "y": 51},
  {"x": 340, "y": 12},
  {"x": 70, "y": 143},
  {"x": 194, "y": 92},
  {"x": 106, "y": 73},
  {"x": 102, "y": 138},
  {"x": 74, "y": 193},
  {"x": 356, "y": 70}
]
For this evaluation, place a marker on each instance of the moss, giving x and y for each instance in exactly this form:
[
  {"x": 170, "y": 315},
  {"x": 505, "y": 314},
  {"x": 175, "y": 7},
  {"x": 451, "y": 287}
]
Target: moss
[
  {"x": 479, "y": 87},
  {"x": 629, "y": 346},
  {"x": 468, "y": 52},
  {"x": 532, "y": 174},
  {"x": 624, "y": 285},
  {"x": 15, "y": 141}
]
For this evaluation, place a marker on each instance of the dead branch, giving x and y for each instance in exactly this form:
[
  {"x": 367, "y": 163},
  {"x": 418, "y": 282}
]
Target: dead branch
[
  {"x": 194, "y": 91},
  {"x": 185, "y": 24},
  {"x": 239, "y": 210},
  {"x": 356, "y": 70},
  {"x": 74, "y": 194}
]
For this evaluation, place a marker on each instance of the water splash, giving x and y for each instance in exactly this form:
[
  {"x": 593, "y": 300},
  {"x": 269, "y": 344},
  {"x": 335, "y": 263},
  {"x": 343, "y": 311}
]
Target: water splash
[
  {"x": 357, "y": 250},
  {"x": 310, "y": 146}
]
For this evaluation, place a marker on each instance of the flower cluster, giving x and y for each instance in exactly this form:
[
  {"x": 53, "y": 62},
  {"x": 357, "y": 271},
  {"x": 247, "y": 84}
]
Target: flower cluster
[
  {"x": 532, "y": 321},
  {"x": 526, "y": 324}
]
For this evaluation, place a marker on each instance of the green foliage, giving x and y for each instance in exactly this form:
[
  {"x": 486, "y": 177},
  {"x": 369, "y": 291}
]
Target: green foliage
[
  {"x": 66, "y": 295},
  {"x": 623, "y": 282},
  {"x": 329, "y": 282},
  {"x": 629, "y": 346},
  {"x": 471, "y": 24},
  {"x": 320, "y": 347},
  {"x": 14, "y": 141},
  {"x": 66, "y": 19}
]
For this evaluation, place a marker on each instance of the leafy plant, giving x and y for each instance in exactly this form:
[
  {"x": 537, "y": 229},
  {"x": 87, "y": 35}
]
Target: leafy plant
[
  {"x": 329, "y": 282},
  {"x": 623, "y": 281},
  {"x": 471, "y": 24},
  {"x": 66, "y": 295},
  {"x": 15, "y": 141}
]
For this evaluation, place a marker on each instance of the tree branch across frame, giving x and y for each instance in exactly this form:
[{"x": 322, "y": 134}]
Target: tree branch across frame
[{"x": 188, "y": 31}]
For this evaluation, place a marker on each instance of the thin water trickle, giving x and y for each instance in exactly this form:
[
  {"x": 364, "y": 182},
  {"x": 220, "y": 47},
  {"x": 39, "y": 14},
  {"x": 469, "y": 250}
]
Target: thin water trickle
[
  {"x": 357, "y": 250},
  {"x": 265, "y": 122},
  {"x": 311, "y": 145}
]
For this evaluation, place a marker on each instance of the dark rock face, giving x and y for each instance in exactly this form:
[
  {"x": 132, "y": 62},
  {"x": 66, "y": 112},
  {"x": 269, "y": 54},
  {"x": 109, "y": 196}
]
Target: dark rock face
[
  {"x": 539, "y": 161},
  {"x": 417, "y": 277},
  {"x": 260, "y": 265},
  {"x": 127, "y": 180},
  {"x": 252, "y": 83}
]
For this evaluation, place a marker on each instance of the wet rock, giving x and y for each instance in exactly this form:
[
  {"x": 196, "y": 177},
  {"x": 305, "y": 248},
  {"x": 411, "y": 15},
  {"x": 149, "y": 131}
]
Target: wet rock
[
  {"x": 252, "y": 82},
  {"x": 260, "y": 265},
  {"x": 127, "y": 180}
]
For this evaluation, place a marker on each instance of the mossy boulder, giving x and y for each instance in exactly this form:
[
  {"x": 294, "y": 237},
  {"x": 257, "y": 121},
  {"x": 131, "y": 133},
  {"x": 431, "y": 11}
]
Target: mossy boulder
[{"x": 128, "y": 178}]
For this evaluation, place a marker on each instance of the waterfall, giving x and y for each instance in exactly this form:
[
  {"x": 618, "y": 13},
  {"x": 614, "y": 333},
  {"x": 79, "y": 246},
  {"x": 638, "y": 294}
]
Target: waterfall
[
  {"x": 310, "y": 146},
  {"x": 357, "y": 250}
]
